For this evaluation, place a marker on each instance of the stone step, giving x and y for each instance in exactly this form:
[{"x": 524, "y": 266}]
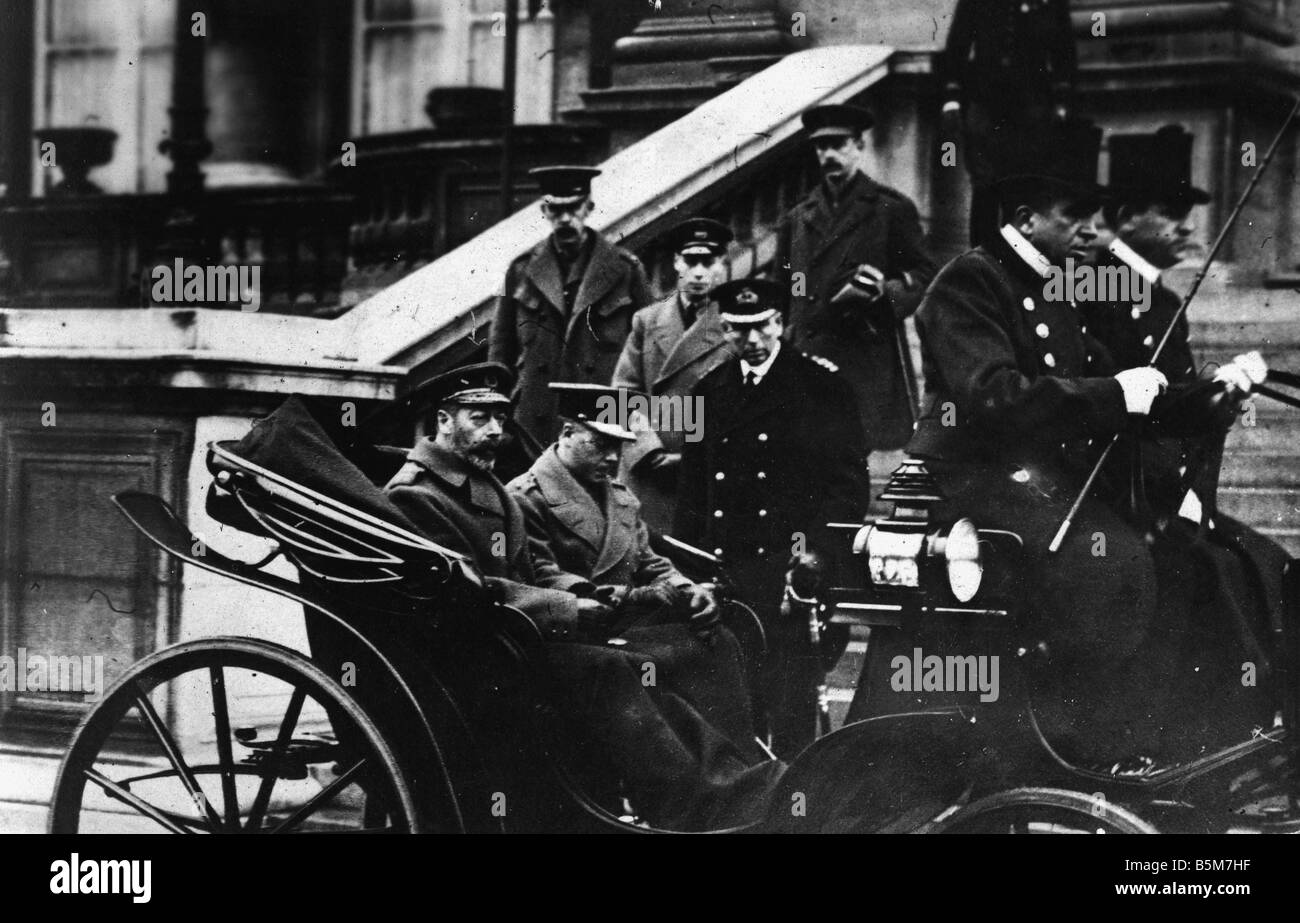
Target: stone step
[
  {"x": 1263, "y": 507},
  {"x": 1271, "y": 435},
  {"x": 1241, "y": 469}
]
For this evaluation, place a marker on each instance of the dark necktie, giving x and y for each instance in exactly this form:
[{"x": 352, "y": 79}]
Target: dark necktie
[{"x": 751, "y": 381}]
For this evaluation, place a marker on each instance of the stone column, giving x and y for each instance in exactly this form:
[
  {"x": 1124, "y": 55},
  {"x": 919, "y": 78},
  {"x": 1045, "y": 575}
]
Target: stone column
[{"x": 187, "y": 143}]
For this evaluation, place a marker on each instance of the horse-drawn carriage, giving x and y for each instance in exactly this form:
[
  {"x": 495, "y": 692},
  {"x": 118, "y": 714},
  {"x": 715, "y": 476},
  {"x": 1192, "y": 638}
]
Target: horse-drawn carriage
[{"x": 422, "y": 706}]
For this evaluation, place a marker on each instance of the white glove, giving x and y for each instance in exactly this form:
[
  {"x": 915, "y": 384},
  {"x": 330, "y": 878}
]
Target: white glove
[
  {"x": 1140, "y": 388},
  {"x": 1243, "y": 372}
]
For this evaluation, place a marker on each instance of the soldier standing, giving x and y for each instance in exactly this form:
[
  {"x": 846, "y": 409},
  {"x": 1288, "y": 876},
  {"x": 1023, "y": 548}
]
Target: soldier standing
[
  {"x": 782, "y": 456},
  {"x": 854, "y": 261},
  {"x": 567, "y": 305},
  {"x": 674, "y": 343}
]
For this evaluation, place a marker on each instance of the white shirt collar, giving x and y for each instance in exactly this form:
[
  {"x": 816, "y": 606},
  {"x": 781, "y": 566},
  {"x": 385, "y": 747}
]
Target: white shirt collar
[
  {"x": 1130, "y": 257},
  {"x": 760, "y": 370},
  {"x": 1031, "y": 255}
]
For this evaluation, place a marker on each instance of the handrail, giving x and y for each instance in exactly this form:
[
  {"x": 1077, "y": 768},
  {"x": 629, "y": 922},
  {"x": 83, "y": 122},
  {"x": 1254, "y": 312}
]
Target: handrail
[{"x": 695, "y": 159}]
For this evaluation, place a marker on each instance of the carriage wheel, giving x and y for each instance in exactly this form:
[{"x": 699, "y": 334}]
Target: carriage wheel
[
  {"x": 264, "y": 741},
  {"x": 1043, "y": 810}
]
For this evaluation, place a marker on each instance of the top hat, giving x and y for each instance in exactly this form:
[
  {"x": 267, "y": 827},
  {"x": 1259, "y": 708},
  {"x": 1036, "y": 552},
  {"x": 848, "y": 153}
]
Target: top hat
[
  {"x": 836, "y": 120},
  {"x": 1155, "y": 167},
  {"x": 749, "y": 301},
  {"x": 564, "y": 185},
  {"x": 701, "y": 236},
  {"x": 596, "y": 407},
  {"x": 1060, "y": 155}
]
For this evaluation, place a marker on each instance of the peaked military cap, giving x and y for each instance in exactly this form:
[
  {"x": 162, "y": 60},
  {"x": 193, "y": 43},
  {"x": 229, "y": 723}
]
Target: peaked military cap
[
  {"x": 484, "y": 383},
  {"x": 701, "y": 235},
  {"x": 836, "y": 119},
  {"x": 598, "y": 407},
  {"x": 749, "y": 301},
  {"x": 564, "y": 185},
  {"x": 1155, "y": 167}
]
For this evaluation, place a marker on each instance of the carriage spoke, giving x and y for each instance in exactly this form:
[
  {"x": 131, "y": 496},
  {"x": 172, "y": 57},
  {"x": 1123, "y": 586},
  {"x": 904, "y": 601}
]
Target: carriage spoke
[
  {"x": 121, "y": 794},
  {"x": 320, "y": 798},
  {"x": 273, "y": 757},
  {"x": 224, "y": 755},
  {"x": 168, "y": 743}
]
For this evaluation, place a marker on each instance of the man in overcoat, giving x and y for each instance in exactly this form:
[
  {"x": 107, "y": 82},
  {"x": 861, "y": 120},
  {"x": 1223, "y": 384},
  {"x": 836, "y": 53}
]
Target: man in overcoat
[
  {"x": 587, "y": 537},
  {"x": 567, "y": 305},
  {"x": 674, "y": 343},
  {"x": 1167, "y": 483},
  {"x": 855, "y": 264},
  {"x": 1021, "y": 396},
  {"x": 782, "y": 456}
]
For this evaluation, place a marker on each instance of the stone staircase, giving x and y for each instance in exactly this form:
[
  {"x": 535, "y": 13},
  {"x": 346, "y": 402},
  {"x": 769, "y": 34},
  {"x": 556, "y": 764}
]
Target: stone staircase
[{"x": 1260, "y": 484}]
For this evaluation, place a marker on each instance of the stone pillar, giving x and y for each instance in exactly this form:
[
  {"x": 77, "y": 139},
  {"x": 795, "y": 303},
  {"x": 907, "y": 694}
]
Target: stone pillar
[{"x": 187, "y": 142}]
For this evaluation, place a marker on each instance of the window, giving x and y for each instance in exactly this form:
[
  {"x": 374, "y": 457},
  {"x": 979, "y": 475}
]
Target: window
[
  {"x": 108, "y": 62},
  {"x": 78, "y": 581},
  {"x": 407, "y": 47}
]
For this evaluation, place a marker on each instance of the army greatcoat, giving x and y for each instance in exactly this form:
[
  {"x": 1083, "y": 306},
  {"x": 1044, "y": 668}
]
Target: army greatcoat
[
  {"x": 820, "y": 244},
  {"x": 680, "y": 771},
  {"x": 552, "y": 326},
  {"x": 664, "y": 358}
]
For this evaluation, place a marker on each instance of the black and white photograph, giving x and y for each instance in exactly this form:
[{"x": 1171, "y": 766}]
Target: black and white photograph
[{"x": 651, "y": 417}]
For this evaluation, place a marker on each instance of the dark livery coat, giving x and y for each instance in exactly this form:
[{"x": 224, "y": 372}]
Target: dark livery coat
[
  {"x": 774, "y": 465},
  {"x": 1236, "y": 572},
  {"x": 662, "y": 357},
  {"x": 1020, "y": 400},
  {"x": 826, "y": 241},
  {"x": 549, "y": 328}
]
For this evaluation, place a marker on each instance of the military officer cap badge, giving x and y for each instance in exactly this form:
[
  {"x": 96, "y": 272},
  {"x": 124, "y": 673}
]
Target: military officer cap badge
[
  {"x": 836, "y": 120},
  {"x": 564, "y": 185},
  {"x": 481, "y": 384},
  {"x": 600, "y": 408},
  {"x": 701, "y": 237},
  {"x": 1155, "y": 168},
  {"x": 749, "y": 301}
]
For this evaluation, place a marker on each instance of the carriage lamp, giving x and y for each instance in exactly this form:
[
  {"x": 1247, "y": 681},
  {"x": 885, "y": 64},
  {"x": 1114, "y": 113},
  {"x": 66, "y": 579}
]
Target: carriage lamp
[{"x": 899, "y": 549}]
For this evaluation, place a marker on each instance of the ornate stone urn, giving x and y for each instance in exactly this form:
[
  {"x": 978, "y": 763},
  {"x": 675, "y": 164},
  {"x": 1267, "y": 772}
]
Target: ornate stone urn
[{"x": 77, "y": 151}]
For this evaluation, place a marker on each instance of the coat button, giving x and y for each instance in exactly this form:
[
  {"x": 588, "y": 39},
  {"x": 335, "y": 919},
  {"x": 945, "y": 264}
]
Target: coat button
[
  {"x": 1029, "y": 304},
  {"x": 762, "y": 437},
  {"x": 1083, "y": 329},
  {"x": 1135, "y": 313},
  {"x": 762, "y": 512},
  {"x": 762, "y": 475},
  {"x": 1148, "y": 342},
  {"x": 719, "y": 476},
  {"x": 1042, "y": 331},
  {"x": 717, "y": 514},
  {"x": 1049, "y": 360},
  {"x": 762, "y": 551},
  {"x": 717, "y": 552}
]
